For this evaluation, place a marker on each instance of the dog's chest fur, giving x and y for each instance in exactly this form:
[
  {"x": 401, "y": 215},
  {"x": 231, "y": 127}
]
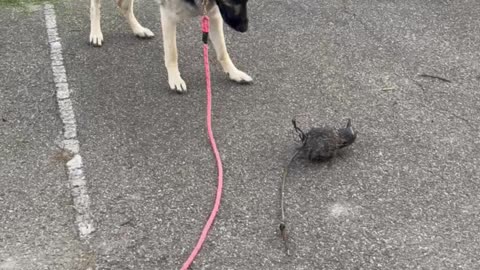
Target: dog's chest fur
[{"x": 185, "y": 8}]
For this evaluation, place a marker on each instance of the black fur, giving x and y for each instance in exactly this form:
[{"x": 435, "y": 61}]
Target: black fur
[
  {"x": 238, "y": 20},
  {"x": 191, "y": 2}
]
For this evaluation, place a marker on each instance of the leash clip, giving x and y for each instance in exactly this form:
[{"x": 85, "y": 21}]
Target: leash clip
[{"x": 205, "y": 22}]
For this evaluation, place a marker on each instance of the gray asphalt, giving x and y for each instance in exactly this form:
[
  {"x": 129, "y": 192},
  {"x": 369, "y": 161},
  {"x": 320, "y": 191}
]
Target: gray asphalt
[
  {"x": 404, "y": 196},
  {"x": 36, "y": 214}
]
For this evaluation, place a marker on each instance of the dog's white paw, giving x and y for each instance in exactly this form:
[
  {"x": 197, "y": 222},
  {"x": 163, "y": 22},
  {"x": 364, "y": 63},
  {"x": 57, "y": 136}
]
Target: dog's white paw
[
  {"x": 239, "y": 76},
  {"x": 177, "y": 83},
  {"x": 143, "y": 32},
  {"x": 96, "y": 38}
]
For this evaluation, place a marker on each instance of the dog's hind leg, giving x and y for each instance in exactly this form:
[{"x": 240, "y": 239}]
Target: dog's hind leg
[
  {"x": 218, "y": 40},
  {"x": 169, "y": 32},
  {"x": 126, "y": 8},
  {"x": 96, "y": 36}
]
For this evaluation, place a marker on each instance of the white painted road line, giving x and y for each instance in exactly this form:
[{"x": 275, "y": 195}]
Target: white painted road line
[{"x": 76, "y": 176}]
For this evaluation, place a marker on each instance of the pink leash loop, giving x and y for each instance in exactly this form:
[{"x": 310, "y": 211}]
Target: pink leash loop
[{"x": 216, "y": 206}]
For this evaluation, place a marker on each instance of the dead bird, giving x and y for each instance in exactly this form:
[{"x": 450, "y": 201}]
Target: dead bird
[
  {"x": 321, "y": 144},
  {"x": 318, "y": 144}
]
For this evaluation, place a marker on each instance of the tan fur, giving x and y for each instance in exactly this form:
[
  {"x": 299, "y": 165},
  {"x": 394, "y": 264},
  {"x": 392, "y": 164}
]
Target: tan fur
[{"x": 172, "y": 12}]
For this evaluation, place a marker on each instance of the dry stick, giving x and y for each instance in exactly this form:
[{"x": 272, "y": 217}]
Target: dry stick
[
  {"x": 435, "y": 77},
  {"x": 282, "y": 226}
]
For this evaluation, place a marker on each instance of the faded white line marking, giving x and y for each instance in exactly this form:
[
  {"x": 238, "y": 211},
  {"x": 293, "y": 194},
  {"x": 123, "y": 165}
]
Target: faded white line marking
[{"x": 76, "y": 176}]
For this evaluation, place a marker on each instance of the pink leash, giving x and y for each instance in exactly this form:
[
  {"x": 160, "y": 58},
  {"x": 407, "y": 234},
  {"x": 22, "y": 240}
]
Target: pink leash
[{"x": 216, "y": 206}]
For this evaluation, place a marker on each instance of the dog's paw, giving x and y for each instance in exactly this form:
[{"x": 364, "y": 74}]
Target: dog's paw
[
  {"x": 143, "y": 32},
  {"x": 96, "y": 38},
  {"x": 177, "y": 83},
  {"x": 239, "y": 76}
]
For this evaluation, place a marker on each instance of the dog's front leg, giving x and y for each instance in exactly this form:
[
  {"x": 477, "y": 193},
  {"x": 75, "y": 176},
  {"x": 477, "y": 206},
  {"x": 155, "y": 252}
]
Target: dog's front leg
[
  {"x": 96, "y": 36},
  {"x": 169, "y": 32},
  {"x": 126, "y": 7},
  {"x": 218, "y": 40}
]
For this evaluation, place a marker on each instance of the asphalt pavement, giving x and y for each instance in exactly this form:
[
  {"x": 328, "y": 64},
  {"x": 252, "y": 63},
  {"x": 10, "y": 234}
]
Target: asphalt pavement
[{"x": 405, "y": 195}]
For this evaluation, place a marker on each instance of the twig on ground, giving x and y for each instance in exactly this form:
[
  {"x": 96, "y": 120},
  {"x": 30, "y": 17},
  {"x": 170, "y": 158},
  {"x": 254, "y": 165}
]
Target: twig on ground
[{"x": 423, "y": 75}]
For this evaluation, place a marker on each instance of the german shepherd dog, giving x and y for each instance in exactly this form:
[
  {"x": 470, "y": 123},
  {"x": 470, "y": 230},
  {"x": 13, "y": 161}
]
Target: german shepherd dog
[{"x": 233, "y": 12}]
